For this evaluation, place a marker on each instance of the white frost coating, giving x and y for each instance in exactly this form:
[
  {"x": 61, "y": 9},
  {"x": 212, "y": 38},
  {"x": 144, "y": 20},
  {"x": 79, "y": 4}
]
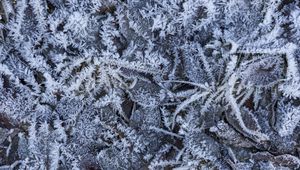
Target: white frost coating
[
  {"x": 236, "y": 110},
  {"x": 78, "y": 22},
  {"x": 291, "y": 87},
  {"x": 289, "y": 121},
  {"x": 4, "y": 70},
  {"x": 54, "y": 156},
  {"x": 165, "y": 132},
  {"x": 98, "y": 83},
  {"x": 32, "y": 140},
  {"x": 185, "y": 103},
  {"x": 270, "y": 12},
  {"x": 7, "y": 7},
  {"x": 292, "y": 71}
]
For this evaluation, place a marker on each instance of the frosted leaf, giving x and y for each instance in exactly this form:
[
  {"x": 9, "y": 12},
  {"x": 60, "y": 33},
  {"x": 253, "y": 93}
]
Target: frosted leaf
[{"x": 263, "y": 70}]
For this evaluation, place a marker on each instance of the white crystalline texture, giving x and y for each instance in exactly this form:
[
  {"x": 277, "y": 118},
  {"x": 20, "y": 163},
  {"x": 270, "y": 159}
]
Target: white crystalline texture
[{"x": 149, "y": 84}]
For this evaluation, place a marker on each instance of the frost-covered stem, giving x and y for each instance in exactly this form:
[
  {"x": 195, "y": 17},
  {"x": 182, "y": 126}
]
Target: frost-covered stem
[
  {"x": 291, "y": 87},
  {"x": 8, "y": 9},
  {"x": 247, "y": 95},
  {"x": 286, "y": 50},
  {"x": 165, "y": 132},
  {"x": 213, "y": 97},
  {"x": 179, "y": 155},
  {"x": 185, "y": 103},
  {"x": 164, "y": 164},
  {"x": 55, "y": 156},
  {"x": 292, "y": 69},
  {"x": 206, "y": 64}
]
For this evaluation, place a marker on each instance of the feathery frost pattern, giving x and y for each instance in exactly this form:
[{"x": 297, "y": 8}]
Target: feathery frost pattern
[{"x": 149, "y": 84}]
